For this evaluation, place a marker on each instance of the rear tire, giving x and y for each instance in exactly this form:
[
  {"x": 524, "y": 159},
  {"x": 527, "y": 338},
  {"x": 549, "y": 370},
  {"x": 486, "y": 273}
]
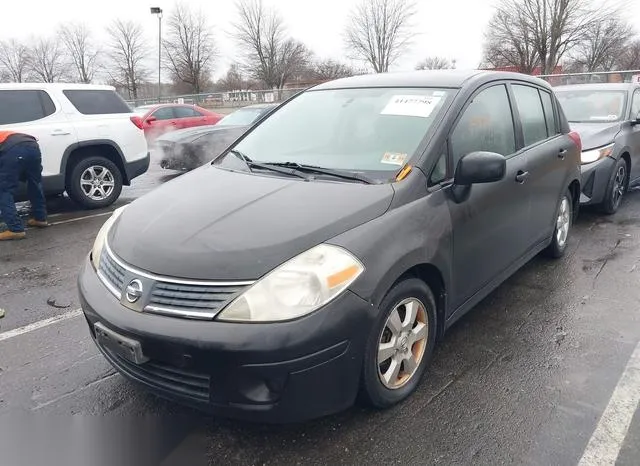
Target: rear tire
[
  {"x": 94, "y": 182},
  {"x": 410, "y": 342},
  {"x": 616, "y": 188},
  {"x": 562, "y": 230}
]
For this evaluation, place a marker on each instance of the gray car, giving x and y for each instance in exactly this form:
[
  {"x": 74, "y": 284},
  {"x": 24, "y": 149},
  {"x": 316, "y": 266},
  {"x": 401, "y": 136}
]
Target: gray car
[
  {"x": 607, "y": 117},
  {"x": 189, "y": 148},
  {"x": 326, "y": 251}
]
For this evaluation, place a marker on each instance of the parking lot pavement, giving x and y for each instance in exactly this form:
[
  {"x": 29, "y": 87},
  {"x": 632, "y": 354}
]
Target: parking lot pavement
[{"x": 535, "y": 374}]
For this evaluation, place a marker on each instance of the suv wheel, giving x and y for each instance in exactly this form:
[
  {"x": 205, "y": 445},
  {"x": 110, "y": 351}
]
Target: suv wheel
[
  {"x": 400, "y": 344},
  {"x": 95, "y": 182},
  {"x": 563, "y": 219},
  {"x": 616, "y": 188}
]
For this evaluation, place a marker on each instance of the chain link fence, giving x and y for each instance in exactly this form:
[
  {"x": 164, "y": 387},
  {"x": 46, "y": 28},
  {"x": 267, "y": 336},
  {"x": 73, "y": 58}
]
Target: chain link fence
[
  {"x": 222, "y": 100},
  {"x": 626, "y": 76}
]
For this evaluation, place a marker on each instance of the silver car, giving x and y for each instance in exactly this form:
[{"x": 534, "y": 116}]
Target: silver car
[{"x": 607, "y": 117}]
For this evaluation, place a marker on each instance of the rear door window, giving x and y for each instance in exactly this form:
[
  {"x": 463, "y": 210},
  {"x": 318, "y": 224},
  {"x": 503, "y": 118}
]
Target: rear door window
[
  {"x": 97, "y": 101},
  {"x": 164, "y": 113},
  {"x": 22, "y": 106},
  {"x": 485, "y": 125},
  {"x": 549, "y": 114},
  {"x": 534, "y": 125},
  {"x": 185, "y": 112}
]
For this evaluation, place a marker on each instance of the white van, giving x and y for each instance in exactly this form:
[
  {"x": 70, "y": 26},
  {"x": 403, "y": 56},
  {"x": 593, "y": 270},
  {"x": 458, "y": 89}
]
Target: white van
[{"x": 91, "y": 142}]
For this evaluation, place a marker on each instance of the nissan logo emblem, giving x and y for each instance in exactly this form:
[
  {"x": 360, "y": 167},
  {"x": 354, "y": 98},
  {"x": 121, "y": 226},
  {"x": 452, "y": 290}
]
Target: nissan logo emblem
[{"x": 133, "y": 291}]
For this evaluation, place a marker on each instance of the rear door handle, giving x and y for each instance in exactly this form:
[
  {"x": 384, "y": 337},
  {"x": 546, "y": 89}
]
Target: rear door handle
[
  {"x": 521, "y": 176},
  {"x": 562, "y": 153},
  {"x": 59, "y": 132}
]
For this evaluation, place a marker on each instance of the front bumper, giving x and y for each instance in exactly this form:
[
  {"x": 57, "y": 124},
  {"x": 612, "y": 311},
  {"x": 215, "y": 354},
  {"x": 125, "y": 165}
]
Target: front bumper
[
  {"x": 279, "y": 372},
  {"x": 595, "y": 178}
]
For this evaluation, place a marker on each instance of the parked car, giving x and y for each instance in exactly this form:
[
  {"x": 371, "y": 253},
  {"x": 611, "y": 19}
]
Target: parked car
[
  {"x": 89, "y": 142},
  {"x": 323, "y": 254},
  {"x": 190, "y": 148},
  {"x": 607, "y": 117},
  {"x": 156, "y": 120}
]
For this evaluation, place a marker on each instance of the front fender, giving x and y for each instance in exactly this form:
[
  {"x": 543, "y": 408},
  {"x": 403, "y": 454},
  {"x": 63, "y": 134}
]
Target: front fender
[{"x": 415, "y": 233}]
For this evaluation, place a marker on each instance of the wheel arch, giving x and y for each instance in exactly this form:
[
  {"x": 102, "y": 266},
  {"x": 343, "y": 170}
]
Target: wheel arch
[
  {"x": 433, "y": 278},
  {"x": 96, "y": 147},
  {"x": 574, "y": 189}
]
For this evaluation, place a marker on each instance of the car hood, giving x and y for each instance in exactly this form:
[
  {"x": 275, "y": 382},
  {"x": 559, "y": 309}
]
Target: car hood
[
  {"x": 596, "y": 134},
  {"x": 214, "y": 224}
]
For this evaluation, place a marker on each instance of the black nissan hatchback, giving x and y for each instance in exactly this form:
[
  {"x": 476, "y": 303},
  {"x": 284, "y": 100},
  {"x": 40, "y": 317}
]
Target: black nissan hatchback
[{"x": 324, "y": 253}]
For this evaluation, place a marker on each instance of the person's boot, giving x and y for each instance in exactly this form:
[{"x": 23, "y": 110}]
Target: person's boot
[
  {"x": 9, "y": 235},
  {"x": 32, "y": 222}
]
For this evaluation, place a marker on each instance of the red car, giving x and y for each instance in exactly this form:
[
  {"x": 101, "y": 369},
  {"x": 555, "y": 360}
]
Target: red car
[{"x": 159, "y": 119}]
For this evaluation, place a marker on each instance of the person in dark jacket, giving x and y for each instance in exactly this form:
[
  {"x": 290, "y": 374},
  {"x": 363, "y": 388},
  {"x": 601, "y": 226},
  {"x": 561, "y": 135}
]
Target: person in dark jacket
[{"x": 20, "y": 158}]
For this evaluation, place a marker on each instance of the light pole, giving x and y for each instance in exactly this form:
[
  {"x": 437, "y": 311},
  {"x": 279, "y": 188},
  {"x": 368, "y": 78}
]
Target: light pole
[{"x": 155, "y": 10}]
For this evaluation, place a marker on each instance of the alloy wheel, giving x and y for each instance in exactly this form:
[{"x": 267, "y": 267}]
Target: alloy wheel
[
  {"x": 97, "y": 182},
  {"x": 619, "y": 185},
  {"x": 402, "y": 343},
  {"x": 563, "y": 222}
]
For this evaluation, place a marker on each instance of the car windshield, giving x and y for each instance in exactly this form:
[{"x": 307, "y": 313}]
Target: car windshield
[
  {"x": 592, "y": 106},
  {"x": 374, "y": 130},
  {"x": 242, "y": 117}
]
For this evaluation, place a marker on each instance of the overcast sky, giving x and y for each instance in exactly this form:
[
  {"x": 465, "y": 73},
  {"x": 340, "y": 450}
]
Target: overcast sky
[{"x": 448, "y": 28}]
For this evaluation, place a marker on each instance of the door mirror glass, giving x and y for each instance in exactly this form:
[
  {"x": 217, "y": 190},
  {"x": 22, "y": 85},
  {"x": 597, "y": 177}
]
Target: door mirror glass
[
  {"x": 480, "y": 167},
  {"x": 151, "y": 119},
  {"x": 637, "y": 117}
]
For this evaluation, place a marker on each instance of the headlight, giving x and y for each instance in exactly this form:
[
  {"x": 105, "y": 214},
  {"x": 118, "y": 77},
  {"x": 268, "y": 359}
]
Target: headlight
[
  {"x": 590, "y": 156},
  {"x": 297, "y": 287},
  {"x": 98, "y": 244}
]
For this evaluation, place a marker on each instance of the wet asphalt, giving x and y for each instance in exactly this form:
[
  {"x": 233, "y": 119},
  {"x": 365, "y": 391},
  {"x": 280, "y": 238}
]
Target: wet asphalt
[{"x": 521, "y": 379}]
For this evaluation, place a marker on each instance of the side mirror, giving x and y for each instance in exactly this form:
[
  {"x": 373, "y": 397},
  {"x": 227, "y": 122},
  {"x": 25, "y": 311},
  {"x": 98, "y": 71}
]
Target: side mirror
[
  {"x": 636, "y": 120},
  {"x": 480, "y": 167},
  {"x": 151, "y": 119}
]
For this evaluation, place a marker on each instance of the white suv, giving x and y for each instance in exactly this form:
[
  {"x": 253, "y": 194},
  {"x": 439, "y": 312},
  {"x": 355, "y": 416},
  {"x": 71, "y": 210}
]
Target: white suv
[{"x": 91, "y": 142}]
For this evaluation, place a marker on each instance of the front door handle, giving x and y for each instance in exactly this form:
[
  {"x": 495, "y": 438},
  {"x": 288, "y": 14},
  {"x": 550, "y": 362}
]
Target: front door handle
[
  {"x": 60, "y": 132},
  {"x": 521, "y": 176},
  {"x": 562, "y": 153}
]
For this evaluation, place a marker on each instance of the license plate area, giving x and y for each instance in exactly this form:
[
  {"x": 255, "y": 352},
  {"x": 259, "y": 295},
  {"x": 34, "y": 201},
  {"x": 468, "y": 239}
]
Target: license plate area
[{"x": 125, "y": 347}]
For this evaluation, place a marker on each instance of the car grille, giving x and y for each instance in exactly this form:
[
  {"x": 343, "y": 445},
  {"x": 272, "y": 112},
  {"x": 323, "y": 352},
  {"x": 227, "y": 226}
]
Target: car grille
[
  {"x": 112, "y": 273},
  {"x": 191, "y": 299},
  {"x": 187, "y": 384},
  {"x": 205, "y": 300}
]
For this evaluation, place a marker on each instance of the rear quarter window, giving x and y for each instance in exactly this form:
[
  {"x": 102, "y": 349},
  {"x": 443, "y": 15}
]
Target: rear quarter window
[
  {"x": 97, "y": 102},
  {"x": 22, "y": 106}
]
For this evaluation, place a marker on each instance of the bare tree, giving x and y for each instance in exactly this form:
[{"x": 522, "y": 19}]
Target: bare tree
[
  {"x": 48, "y": 62},
  {"x": 76, "y": 38},
  {"x": 629, "y": 57},
  {"x": 14, "y": 60},
  {"x": 379, "y": 31},
  {"x": 602, "y": 44},
  {"x": 541, "y": 31},
  {"x": 271, "y": 56},
  {"x": 436, "y": 63},
  {"x": 326, "y": 70},
  {"x": 234, "y": 80},
  {"x": 127, "y": 51},
  {"x": 508, "y": 40},
  {"x": 189, "y": 50}
]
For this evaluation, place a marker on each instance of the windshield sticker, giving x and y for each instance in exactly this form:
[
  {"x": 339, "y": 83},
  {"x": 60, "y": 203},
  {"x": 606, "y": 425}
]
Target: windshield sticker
[
  {"x": 411, "y": 105},
  {"x": 606, "y": 118},
  {"x": 393, "y": 158}
]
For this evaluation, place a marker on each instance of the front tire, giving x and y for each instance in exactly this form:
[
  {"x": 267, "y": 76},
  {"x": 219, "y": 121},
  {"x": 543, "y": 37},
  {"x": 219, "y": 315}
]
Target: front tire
[
  {"x": 400, "y": 344},
  {"x": 564, "y": 218},
  {"x": 95, "y": 182},
  {"x": 616, "y": 187}
]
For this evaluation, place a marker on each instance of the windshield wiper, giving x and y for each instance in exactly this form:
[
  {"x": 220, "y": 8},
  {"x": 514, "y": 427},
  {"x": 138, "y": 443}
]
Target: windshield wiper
[
  {"x": 347, "y": 175},
  {"x": 291, "y": 171}
]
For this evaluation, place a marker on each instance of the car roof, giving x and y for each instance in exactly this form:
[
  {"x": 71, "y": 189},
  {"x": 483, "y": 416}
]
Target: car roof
[
  {"x": 597, "y": 87},
  {"x": 55, "y": 86},
  {"x": 427, "y": 78}
]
